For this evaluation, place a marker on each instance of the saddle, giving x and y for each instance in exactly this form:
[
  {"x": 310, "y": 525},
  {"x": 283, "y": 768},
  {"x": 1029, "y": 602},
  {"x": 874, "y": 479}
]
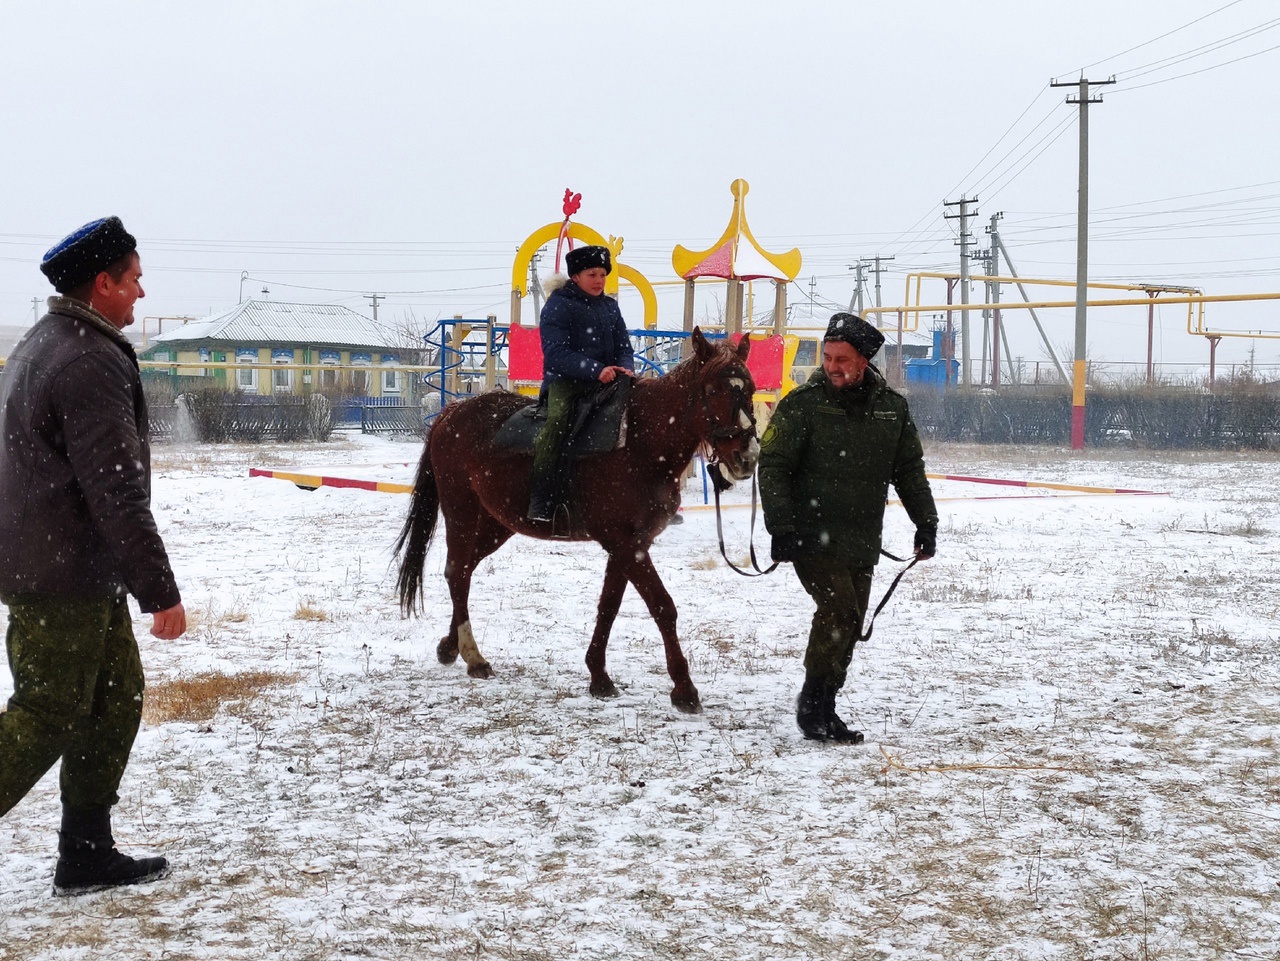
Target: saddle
[{"x": 598, "y": 425}]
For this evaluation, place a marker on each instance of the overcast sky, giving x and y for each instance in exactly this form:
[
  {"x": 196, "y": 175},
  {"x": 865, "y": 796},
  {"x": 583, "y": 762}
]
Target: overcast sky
[{"x": 331, "y": 150}]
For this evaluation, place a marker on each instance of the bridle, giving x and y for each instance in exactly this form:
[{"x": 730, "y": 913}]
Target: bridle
[
  {"x": 743, "y": 425},
  {"x": 743, "y": 408}
]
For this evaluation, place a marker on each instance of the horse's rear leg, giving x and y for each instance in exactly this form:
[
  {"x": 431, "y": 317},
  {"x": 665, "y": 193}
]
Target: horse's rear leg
[
  {"x": 648, "y": 585},
  {"x": 475, "y": 539},
  {"x": 615, "y": 585}
]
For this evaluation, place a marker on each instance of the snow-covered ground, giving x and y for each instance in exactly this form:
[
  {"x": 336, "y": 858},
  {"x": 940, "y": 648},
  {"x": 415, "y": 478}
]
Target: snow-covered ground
[{"x": 1071, "y": 719}]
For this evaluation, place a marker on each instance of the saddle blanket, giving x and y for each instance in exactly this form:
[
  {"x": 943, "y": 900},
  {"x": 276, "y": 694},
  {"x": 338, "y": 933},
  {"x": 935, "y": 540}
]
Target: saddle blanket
[{"x": 599, "y": 423}]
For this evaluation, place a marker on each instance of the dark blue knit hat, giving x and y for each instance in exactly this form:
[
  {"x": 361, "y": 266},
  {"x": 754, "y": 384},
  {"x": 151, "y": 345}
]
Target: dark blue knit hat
[
  {"x": 82, "y": 255},
  {"x": 855, "y": 332},
  {"x": 584, "y": 258}
]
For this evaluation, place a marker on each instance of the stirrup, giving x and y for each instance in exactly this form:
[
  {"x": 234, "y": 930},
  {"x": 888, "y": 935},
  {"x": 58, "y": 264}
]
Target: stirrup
[{"x": 561, "y": 522}]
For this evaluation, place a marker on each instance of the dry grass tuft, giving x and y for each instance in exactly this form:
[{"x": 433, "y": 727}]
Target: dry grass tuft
[
  {"x": 308, "y": 611},
  {"x": 198, "y": 697}
]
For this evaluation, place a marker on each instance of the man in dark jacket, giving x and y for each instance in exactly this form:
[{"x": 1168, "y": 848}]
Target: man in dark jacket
[
  {"x": 827, "y": 458},
  {"x": 76, "y": 537},
  {"x": 584, "y": 344}
]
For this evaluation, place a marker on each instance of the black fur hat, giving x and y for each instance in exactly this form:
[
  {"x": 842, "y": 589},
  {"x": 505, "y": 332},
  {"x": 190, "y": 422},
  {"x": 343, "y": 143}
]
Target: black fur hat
[
  {"x": 855, "y": 332},
  {"x": 583, "y": 258},
  {"x": 82, "y": 255}
]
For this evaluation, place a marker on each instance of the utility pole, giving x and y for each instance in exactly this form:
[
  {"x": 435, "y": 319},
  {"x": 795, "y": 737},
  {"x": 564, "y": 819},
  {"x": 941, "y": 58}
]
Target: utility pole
[
  {"x": 535, "y": 285},
  {"x": 35, "y": 309},
  {"x": 982, "y": 259},
  {"x": 855, "y": 302},
  {"x": 877, "y": 259},
  {"x": 994, "y": 268},
  {"x": 373, "y": 299},
  {"x": 1013, "y": 272},
  {"x": 965, "y": 240},
  {"x": 1082, "y": 256}
]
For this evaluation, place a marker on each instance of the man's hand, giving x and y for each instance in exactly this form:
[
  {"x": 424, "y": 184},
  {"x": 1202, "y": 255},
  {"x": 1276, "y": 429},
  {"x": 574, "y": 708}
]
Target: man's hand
[
  {"x": 926, "y": 542},
  {"x": 170, "y": 623},
  {"x": 609, "y": 373},
  {"x": 786, "y": 546}
]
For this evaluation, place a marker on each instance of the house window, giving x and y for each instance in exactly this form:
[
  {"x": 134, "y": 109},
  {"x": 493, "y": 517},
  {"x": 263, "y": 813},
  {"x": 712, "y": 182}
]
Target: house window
[
  {"x": 329, "y": 373},
  {"x": 282, "y": 380},
  {"x": 390, "y": 377},
  {"x": 360, "y": 378},
  {"x": 247, "y": 378}
]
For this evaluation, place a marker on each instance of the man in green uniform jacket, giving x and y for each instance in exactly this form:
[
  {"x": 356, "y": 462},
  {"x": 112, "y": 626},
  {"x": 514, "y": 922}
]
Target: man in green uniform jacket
[{"x": 827, "y": 458}]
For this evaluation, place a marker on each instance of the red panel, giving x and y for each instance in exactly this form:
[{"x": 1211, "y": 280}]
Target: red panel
[
  {"x": 524, "y": 353},
  {"x": 765, "y": 361},
  {"x": 718, "y": 263}
]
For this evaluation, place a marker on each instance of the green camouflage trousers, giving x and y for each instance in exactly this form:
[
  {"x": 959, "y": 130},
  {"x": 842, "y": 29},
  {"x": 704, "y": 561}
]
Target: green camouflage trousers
[
  {"x": 549, "y": 443},
  {"x": 77, "y": 695},
  {"x": 842, "y": 593}
]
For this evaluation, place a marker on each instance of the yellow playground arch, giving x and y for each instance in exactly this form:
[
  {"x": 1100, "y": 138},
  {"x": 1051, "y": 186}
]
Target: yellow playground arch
[{"x": 544, "y": 235}]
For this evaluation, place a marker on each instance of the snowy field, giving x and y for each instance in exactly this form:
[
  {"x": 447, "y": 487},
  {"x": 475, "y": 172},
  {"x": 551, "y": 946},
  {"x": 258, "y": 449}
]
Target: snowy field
[{"x": 1071, "y": 715}]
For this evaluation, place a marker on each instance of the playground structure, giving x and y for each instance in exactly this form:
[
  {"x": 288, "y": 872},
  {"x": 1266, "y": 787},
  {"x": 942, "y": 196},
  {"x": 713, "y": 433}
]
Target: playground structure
[{"x": 472, "y": 354}]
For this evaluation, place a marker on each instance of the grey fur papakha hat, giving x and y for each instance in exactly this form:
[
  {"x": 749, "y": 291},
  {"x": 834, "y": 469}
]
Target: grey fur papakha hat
[
  {"x": 83, "y": 254},
  {"x": 855, "y": 332}
]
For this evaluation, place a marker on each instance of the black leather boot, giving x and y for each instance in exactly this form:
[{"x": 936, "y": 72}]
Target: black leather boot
[
  {"x": 837, "y": 729},
  {"x": 811, "y": 710},
  {"x": 542, "y": 500},
  {"x": 88, "y": 859}
]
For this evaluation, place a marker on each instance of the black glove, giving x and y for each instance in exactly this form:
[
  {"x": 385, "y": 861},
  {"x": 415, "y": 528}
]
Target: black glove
[
  {"x": 926, "y": 541},
  {"x": 786, "y": 546}
]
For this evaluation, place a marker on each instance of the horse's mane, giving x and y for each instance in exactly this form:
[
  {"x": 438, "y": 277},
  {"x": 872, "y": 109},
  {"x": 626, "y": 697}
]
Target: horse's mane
[{"x": 691, "y": 369}]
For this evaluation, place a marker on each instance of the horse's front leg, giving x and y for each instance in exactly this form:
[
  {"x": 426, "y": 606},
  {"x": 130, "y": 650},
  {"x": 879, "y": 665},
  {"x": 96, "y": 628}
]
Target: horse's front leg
[
  {"x": 648, "y": 585},
  {"x": 615, "y": 585},
  {"x": 461, "y": 639}
]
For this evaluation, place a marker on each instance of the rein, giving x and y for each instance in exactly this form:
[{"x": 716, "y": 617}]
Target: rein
[
  {"x": 889, "y": 593},
  {"x": 717, "y": 482}
]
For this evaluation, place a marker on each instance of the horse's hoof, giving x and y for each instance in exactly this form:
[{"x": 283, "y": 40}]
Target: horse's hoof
[
  {"x": 603, "y": 688},
  {"x": 686, "y": 703},
  {"x": 446, "y": 653},
  {"x": 482, "y": 671}
]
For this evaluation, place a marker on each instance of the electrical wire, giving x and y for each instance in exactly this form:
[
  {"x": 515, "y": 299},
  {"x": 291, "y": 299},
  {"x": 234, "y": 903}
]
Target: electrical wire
[
  {"x": 1194, "y": 52},
  {"x": 1147, "y": 43},
  {"x": 1225, "y": 63}
]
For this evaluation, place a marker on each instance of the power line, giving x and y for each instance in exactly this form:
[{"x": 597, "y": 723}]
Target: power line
[
  {"x": 1147, "y": 43},
  {"x": 1225, "y": 63},
  {"x": 1143, "y": 69}
]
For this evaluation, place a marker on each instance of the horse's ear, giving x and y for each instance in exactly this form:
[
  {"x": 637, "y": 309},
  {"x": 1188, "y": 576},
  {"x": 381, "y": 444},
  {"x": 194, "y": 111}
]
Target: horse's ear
[
  {"x": 702, "y": 348},
  {"x": 744, "y": 347}
]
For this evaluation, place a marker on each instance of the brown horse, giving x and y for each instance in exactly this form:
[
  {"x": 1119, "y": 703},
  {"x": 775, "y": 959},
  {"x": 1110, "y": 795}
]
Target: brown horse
[{"x": 625, "y": 497}]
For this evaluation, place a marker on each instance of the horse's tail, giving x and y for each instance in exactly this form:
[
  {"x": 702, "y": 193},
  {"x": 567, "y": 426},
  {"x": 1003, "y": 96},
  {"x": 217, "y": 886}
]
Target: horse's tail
[{"x": 415, "y": 536}]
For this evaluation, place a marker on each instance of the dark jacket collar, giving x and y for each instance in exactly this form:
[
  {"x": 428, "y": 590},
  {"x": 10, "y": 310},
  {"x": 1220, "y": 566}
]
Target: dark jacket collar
[{"x": 70, "y": 307}]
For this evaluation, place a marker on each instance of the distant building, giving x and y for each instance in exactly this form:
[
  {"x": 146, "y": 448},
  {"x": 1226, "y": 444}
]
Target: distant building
[{"x": 309, "y": 347}]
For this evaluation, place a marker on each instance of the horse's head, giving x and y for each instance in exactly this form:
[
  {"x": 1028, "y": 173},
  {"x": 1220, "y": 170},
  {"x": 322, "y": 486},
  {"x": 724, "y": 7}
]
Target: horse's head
[{"x": 727, "y": 404}]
